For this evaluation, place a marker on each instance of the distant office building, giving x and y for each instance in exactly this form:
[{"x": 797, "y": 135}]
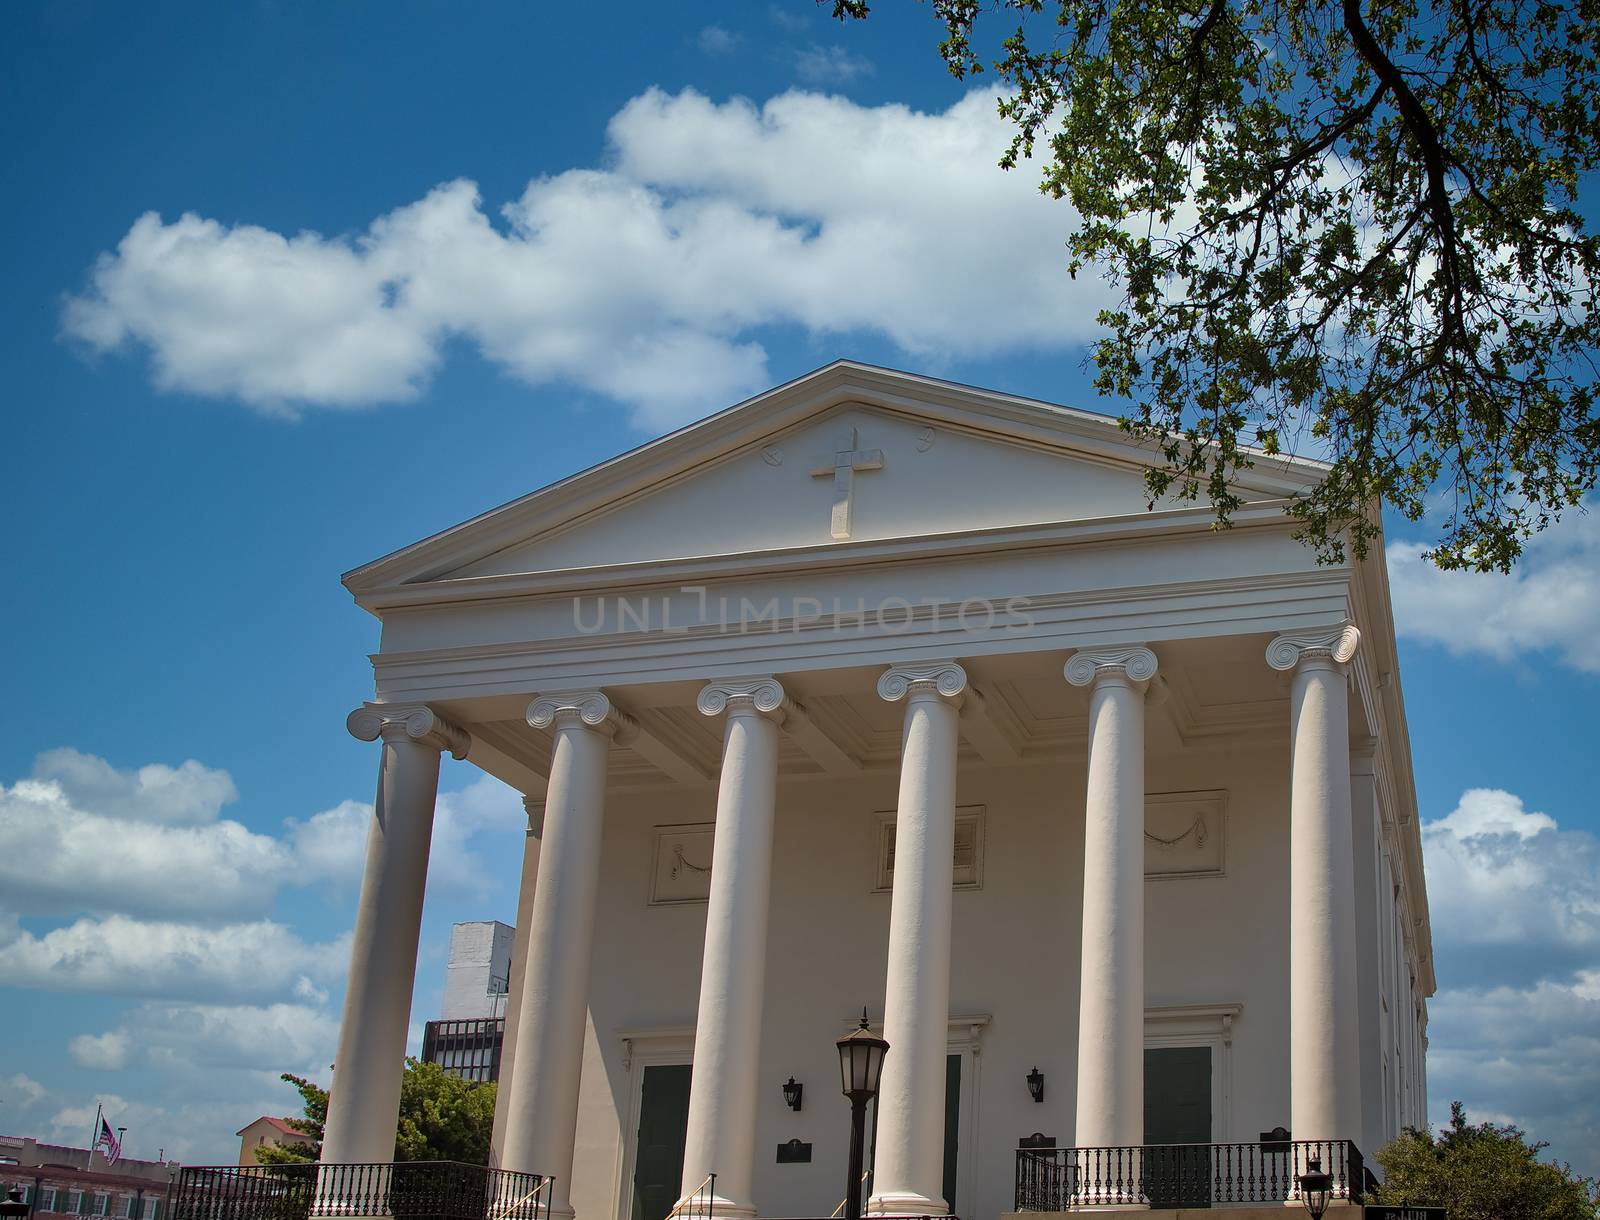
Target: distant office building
[
  {"x": 479, "y": 971},
  {"x": 466, "y": 1039},
  {"x": 57, "y": 1180}
]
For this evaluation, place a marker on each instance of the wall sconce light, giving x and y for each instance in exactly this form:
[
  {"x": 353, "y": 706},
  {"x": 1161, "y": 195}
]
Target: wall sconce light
[
  {"x": 792, "y": 1093},
  {"x": 1036, "y": 1084}
]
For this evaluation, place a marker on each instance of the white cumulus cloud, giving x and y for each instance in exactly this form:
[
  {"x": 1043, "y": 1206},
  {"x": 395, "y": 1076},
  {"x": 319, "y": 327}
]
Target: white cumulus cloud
[
  {"x": 646, "y": 281},
  {"x": 60, "y": 857},
  {"x": 22, "y": 1090},
  {"x": 1515, "y": 1029},
  {"x": 188, "y": 794},
  {"x": 1549, "y": 603},
  {"x": 131, "y": 957},
  {"x": 108, "y": 1052}
]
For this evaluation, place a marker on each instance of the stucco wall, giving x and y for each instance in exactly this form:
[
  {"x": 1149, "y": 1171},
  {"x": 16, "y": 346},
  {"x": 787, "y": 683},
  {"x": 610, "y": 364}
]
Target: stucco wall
[{"x": 1212, "y": 940}]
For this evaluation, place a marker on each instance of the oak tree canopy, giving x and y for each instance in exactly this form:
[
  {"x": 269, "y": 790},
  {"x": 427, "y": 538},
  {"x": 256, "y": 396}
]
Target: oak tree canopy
[{"x": 1350, "y": 230}]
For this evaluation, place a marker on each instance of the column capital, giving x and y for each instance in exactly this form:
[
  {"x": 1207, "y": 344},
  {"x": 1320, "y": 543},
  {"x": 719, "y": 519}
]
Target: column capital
[
  {"x": 1134, "y": 664},
  {"x": 415, "y": 721},
  {"x": 1335, "y": 644},
  {"x": 533, "y": 806},
  {"x": 763, "y": 696},
  {"x": 591, "y": 709},
  {"x": 943, "y": 680}
]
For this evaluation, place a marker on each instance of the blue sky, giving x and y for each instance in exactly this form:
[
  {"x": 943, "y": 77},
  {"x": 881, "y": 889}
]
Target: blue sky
[{"x": 292, "y": 285}]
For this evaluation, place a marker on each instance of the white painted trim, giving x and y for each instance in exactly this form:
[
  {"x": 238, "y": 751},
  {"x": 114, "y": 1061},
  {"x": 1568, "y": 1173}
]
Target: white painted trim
[
  {"x": 641, "y": 1048},
  {"x": 1209, "y": 1025},
  {"x": 1059, "y": 622},
  {"x": 1155, "y": 525}
]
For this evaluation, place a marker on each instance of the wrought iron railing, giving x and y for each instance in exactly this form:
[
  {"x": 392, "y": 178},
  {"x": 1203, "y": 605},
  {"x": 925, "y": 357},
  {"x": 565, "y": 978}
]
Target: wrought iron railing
[
  {"x": 1182, "y": 1175},
  {"x": 405, "y": 1190}
]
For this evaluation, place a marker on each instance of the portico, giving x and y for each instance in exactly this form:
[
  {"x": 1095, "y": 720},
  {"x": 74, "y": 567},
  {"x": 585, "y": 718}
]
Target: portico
[{"x": 1073, "y": 776}]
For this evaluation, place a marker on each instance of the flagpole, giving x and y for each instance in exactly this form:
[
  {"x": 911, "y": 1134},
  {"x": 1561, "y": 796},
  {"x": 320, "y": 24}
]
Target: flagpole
[{"x": 93, "y": 1139}]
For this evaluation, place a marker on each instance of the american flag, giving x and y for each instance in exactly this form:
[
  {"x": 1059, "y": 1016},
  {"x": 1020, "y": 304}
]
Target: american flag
[{"x": 108, "y": 1141}]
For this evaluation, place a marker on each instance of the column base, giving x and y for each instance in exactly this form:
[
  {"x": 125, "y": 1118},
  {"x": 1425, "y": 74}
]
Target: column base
[
  {"x": 699, "y": 1207},
  {"x": 906, "y": 1203}
]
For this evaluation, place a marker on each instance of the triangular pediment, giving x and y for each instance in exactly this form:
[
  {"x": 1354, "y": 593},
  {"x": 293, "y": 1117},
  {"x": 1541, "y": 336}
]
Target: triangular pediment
[
  {"x": 847, "y": 455},
  {"x": 911, "y": 478}
]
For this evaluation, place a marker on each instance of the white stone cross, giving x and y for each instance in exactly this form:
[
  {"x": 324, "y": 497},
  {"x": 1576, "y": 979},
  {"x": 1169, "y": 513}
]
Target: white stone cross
[{"x": 842, "y": 464}]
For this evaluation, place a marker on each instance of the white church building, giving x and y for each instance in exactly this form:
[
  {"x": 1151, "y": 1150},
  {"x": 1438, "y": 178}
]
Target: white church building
[{"x": 876, "y": 690}]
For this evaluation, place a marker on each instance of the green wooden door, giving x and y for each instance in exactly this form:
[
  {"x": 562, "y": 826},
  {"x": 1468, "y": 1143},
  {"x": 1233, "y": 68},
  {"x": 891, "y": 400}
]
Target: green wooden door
[
  {"x": 663, "y": 1127},
  {"x": 1177, "y": 1111}
]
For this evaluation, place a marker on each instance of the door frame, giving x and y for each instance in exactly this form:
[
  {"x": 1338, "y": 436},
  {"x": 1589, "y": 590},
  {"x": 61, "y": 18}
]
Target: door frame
[
  {"x": 1208, "y": 1025},
  {"x": 668, "y": 1046}
]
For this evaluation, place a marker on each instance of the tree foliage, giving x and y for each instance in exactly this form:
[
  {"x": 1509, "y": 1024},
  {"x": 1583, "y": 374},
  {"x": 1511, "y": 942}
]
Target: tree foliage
[
  {"x": 1348, "y": 228},
  {"x": 1483, "y": 1172},
  {"x": 442, "y": 1118}
]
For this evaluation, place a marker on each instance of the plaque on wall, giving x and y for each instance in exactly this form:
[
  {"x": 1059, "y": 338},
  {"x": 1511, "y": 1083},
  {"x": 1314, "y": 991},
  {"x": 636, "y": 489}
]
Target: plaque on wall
[
  {"x": 682, "y": 870},
  {"x": 794, "y": 1152},
  {"x": 1183, "y": 834}
]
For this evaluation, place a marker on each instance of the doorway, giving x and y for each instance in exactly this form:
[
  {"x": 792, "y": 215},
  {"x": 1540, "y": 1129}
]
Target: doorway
[
  {"x": 663, "y": 1128},
  {"x": 1177, "y": 1118}
]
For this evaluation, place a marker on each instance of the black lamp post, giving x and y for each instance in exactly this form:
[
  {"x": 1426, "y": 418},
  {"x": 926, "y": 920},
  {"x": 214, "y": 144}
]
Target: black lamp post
[
  {"x": 1036, "y": 1084},
  {"x": 13, "y": 1205},
  {"x": 1315, "y": 1188},
  {"x": 861, "y": 1055},
  {"x": 793, "y": 1091}
]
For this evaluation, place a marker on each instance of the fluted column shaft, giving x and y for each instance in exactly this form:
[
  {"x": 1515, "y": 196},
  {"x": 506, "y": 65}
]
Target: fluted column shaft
[
  {"x": 364, "y": 1100},
  {"x": 1324, "y": 1080},
  {"x": 1110, "y": 1109},
  {"x": 908, "y": 1173},
  {"x": 542, "y": 1110},
  {"x": 724, "y": 1087}
]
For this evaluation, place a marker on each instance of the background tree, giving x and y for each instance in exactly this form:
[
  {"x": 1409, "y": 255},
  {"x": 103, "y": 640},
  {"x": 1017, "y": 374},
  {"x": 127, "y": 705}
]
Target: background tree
[
  {"x": 314, "y": 1099},
  {"x": 1345, "y": 229},
  {"x": 442, "y": 1118},
  {"x": 1483, "y": 1172}
]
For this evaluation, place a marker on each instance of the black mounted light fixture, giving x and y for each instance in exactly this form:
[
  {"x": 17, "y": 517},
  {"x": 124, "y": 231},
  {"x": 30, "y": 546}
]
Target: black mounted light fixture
[
  {"x": 861, "y": 1055},
  {"x": 1315, "y": 1188},
  {"x": 1036, "y": 1084},
  {"x": 793, "y": 1091}
]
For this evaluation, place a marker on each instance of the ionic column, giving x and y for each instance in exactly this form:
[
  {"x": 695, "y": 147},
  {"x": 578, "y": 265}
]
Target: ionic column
[
  {"x": 1324, "y": 1083},
  {"x": 908, "y": 1174},
  {"x": 727, "y": 1040},
  {"x": 542, "y": 1109},
  {"x": 1111, "y": 987},
  {"x": 364, "y": 1102},
  {"x": 534, "y": 808}
]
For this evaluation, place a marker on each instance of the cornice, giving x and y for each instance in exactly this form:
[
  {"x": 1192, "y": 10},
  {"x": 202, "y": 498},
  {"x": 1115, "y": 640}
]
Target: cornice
[
  {"x": 1088, "y": 666},
  {"x": 591, "y": 709},
  {"x": 761, "y": 696},
  {"x": 1337, "y": 643},
  {"x": 945, "y": 680},
  {"x": 416, "y": 721},
  {"x": 1155, "y": 526}
]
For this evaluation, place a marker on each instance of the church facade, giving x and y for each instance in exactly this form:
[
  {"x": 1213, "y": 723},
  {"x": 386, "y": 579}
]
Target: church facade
[{"x": 877, "y": 691}]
